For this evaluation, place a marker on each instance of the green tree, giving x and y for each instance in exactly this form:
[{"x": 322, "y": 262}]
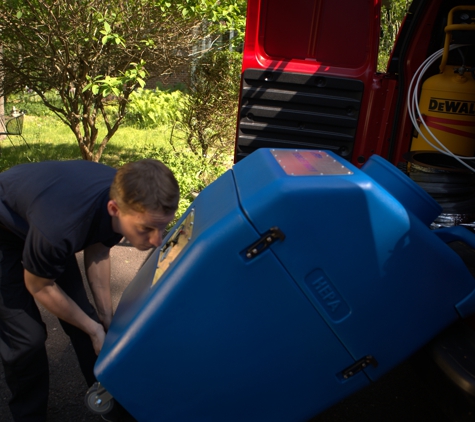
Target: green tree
[
  {"x": 96, "y": 53},
  {"x": 208, "y": 119},
  {"x": 392, "y": 15}
]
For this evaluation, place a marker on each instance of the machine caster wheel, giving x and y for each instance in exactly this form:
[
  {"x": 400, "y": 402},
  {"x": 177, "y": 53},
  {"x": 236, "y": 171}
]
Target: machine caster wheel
[{"x": 98, "y": 400}]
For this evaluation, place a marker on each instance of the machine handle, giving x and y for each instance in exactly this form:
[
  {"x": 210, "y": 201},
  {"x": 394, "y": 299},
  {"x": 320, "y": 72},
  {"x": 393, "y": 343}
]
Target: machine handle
[
  {"x": 448, "y": 33},
  {"x": 452, "y": 234}
]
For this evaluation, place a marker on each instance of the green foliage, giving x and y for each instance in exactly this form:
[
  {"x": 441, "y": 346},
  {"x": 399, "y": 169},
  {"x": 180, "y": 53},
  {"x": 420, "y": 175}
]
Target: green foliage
[
  {"x": 221, "y": 16},
  {"x": 152, "y": 108},
  {"x": 208, "y": 121},
  {"x": 107, "y": 85},
  {"x": 392, "y": 14},
  {"x": 192, "y": 173},
  {"x": 94, "y": 54},
  {"x": 227, "y": 16},
  {"x": 109, "y": 36},
  {"x": 31, "y": 103}
]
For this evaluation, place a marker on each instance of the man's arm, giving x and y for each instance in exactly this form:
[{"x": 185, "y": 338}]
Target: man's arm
[
  {"x": 53, "y": 298},
  {"x": 98, "y": 270}
]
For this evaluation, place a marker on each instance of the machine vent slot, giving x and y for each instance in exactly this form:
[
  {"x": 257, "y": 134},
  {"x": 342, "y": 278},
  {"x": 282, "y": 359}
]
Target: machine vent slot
[{"x": 293, "y": 110}]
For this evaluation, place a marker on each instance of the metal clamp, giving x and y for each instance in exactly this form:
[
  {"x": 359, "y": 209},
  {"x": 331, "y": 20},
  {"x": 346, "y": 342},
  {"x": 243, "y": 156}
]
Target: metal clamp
[
  {"x": 359, "y": 366},
  {"x": 264, "y": 242}
]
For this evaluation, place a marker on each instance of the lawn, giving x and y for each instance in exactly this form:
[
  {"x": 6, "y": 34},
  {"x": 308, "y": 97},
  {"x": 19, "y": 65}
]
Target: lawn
[{"x": 50, "y": 139}]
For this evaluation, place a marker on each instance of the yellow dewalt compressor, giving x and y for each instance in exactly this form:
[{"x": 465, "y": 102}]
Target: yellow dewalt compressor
[
  {"x": 443, "y": 147},
  {"x": 445, "y": 116}
]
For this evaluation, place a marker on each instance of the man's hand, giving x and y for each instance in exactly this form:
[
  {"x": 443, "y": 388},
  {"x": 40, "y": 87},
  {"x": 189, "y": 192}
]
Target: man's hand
[{"x": 98, "y": 338}]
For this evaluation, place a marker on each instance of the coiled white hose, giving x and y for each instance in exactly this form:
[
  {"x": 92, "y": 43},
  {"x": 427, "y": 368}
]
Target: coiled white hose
[{"x": 415, "y": 113}]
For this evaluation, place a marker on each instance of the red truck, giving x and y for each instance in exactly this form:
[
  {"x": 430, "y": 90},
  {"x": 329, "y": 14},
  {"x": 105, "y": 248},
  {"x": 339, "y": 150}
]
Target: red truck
[
  {"x": 310, "y": 81},
  {"x": 309, "y": 77}
]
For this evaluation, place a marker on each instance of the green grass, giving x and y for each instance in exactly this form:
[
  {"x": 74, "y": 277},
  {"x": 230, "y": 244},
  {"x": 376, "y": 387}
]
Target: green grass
[{"x": 50, "y": 139}]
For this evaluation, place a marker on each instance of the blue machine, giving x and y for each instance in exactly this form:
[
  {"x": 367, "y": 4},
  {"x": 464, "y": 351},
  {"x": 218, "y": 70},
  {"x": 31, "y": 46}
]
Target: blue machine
[{"x": 292, "y": 281}]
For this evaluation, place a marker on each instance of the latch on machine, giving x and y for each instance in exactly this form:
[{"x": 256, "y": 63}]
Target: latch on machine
[{"x": 264, "y": 242}]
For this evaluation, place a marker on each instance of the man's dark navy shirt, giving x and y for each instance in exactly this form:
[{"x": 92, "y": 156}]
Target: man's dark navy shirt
[{"x": 58, "y": 208}]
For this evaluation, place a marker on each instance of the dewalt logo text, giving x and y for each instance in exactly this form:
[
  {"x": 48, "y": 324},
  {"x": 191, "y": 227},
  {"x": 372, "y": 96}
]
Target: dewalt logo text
[{"x": 447, "y": 106}]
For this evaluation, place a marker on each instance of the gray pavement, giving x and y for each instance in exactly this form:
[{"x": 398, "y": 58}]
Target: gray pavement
[{"x": 399, "y": 396}]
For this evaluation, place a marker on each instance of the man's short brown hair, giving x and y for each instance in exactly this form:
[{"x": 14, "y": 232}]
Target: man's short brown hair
[{"x": 145, "y": 185}]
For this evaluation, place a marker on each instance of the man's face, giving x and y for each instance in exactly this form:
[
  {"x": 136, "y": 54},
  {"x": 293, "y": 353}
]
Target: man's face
[{"x": 143, "y": 230}]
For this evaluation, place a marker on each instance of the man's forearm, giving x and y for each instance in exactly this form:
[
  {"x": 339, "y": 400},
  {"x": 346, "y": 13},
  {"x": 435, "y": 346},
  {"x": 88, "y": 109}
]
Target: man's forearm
[{"x": 56, "y": 301}]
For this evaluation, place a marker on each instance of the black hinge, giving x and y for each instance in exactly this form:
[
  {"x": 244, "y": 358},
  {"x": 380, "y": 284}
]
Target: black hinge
[
  {"x": 266, "y": 240},
  {"x": 359, "y": 366}
]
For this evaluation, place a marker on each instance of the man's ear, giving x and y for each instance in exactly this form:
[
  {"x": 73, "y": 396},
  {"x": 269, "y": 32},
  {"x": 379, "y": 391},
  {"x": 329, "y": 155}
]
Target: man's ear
[{"x": 113, "y": 208}]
